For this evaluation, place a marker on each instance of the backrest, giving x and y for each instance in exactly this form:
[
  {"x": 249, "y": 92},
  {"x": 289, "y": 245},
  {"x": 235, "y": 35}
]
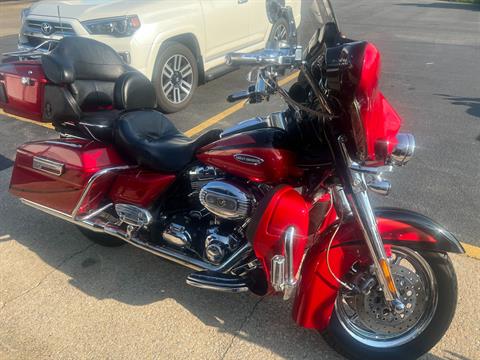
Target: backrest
[
  {"x": 133, "y": 91},
  {"x": 86, "y": 68}
]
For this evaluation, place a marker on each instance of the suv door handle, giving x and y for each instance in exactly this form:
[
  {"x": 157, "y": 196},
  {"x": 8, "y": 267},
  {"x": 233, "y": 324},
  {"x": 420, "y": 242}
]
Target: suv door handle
[{"x": 242, "y": 1}]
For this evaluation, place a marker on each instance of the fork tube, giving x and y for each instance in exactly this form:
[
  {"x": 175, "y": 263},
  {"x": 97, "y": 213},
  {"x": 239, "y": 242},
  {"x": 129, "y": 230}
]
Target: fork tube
[{"x": 356, "y": 189}]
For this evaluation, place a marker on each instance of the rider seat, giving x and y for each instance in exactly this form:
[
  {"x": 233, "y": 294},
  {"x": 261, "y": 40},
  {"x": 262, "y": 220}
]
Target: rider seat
[
  {"x": 145, "y": 135},
  {"x": 150, "y": 139}
]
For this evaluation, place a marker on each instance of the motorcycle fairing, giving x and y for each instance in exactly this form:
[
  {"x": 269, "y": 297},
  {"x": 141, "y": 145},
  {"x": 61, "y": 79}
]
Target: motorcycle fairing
[
  {"x": 281, "y": 208},
  {"x": 317, "y": 289}
]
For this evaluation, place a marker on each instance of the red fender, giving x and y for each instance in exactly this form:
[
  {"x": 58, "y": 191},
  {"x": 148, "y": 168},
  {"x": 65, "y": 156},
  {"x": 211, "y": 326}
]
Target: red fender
[{"x": 317, "y": 289}]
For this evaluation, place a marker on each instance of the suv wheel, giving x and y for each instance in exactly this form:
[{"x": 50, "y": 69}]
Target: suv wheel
[
  {"x": 175, "y": 77},
  {"x": 279, "y": 31}
]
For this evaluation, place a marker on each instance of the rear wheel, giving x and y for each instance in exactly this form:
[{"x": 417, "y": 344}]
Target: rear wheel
[
  {"x": 101, "y": 238},
  {"x": 175, "y": 77},
  {"x": 363, "y": 326}
]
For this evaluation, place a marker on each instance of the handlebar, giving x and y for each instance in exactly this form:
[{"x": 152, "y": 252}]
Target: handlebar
[{"x": 280, "y": 57}]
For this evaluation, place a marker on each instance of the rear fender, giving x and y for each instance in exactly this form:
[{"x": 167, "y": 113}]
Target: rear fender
[{"x": 317, "y": 289}]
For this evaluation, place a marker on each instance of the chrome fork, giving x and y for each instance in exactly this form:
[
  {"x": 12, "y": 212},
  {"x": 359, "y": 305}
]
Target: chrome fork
[{"x": 364, "y": 215}]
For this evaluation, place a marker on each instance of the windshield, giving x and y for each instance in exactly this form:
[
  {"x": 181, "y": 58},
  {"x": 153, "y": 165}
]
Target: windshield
[{"x": 314, "y": 15}]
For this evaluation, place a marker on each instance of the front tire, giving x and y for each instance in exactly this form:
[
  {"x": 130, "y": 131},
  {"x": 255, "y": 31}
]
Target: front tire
[
  {"x": 175, "y": 77},
  {"x": 346, "y": 340}
]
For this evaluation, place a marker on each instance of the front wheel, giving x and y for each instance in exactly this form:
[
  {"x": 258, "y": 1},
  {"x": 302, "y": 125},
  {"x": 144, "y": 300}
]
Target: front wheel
[{"x": 363, "y": 326}]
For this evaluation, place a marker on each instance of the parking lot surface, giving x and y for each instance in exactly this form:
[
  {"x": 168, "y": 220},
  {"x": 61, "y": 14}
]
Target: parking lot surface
[{"x": 63, "y": 297}]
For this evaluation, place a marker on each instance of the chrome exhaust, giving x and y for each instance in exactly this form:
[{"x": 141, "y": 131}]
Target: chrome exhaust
[{"x": 95, "y": 224}]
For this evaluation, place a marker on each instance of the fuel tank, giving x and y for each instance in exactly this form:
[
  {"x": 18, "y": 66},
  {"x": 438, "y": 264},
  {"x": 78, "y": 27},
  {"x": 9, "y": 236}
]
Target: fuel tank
[{"x": 262, "y": 155}]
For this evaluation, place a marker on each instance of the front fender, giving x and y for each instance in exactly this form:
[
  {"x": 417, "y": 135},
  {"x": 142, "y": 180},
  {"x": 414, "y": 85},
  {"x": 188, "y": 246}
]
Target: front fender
[
  {"x": 409, "y": 228},
  {"x": 317, "y": 289}
]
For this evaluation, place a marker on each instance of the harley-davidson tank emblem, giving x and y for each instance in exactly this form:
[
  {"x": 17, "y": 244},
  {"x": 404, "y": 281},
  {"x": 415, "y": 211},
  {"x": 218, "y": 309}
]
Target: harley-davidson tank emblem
[{"x": 248, "y": 159}]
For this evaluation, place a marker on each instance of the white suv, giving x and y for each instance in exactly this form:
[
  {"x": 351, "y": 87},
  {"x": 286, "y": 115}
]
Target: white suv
[{"x": 176, "y": 44}]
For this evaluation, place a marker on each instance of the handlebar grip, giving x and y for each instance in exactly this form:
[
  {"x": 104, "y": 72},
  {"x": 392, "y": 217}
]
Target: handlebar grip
[
  {"x": 241, "y": 95},
  {"x": 241, "y": 59}
]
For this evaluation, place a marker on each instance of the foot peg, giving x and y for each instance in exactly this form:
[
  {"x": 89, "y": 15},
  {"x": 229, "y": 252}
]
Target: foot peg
[{"x": 217, "y": 281}]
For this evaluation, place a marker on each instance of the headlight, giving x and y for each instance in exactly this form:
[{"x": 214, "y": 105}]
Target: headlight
[
  {"x": 117, "y": 26},
  {"x": 404, "y": 150},
  {"x": 24, "y": 14}
]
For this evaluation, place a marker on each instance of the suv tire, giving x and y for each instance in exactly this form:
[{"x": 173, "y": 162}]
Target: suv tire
[{"x": 175, "y": 77}]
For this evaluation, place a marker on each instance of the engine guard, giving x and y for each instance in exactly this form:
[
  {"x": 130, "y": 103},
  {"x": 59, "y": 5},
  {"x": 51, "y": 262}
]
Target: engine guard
[{"x": 317, "y": 290}]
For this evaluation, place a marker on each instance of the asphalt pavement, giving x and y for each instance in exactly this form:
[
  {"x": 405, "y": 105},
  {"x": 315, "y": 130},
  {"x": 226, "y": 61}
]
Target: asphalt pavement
[{"x": 62, "y": 297}]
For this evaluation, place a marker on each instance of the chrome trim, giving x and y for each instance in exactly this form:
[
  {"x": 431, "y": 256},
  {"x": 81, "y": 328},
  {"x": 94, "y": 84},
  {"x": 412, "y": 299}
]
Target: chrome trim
[
  {"x": 100, "y": 226},
  {"x": 282, "y": 274},
  {"x": 215, "y": 281},
  {"x": 403, "y": 152},
  {"x": 249, "y": 159},
  {"x": 214, "y": 287},
  {"x": 28, "y": 51},
  {"x": 379, "y": 186},
  {"x": 340, "y": 201},
  {"x": 215, "y": 195},
  {"x": 133, "y": 215},
  {"x": 68, "y": 144},
  {"x": 177, "y": 235},
  {"x": 48, "y": 166},
  {"x": 90, "y": 183},
  {"x": 94, "y": 125},
  {"x": 365, "y": 217}
]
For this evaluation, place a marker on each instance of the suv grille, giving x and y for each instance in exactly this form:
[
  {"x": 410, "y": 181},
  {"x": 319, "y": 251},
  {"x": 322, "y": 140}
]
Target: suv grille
[{"x": 50, "y": 27}]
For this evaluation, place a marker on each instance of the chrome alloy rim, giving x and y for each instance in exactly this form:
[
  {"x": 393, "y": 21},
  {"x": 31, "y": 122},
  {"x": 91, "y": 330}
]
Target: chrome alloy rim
[
  {"x": 177, "y": 79},
  {"x": 280, "y": 33},
  {"x": 369, "y": 320}
]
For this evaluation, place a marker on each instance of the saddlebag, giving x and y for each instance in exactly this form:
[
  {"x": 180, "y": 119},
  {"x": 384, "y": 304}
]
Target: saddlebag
[
  {"x": 54, "y": 173},
  {"x": 22, "y": 89}
]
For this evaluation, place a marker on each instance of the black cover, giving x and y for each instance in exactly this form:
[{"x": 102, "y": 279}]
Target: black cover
[
  {"x": 78, "y": 58},
  {"x": 134, "y": 91},
  {"x": 149, "y": 138}
]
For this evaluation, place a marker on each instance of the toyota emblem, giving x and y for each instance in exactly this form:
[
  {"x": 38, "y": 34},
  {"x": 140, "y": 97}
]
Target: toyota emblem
[{"x": 47, "y": 29}]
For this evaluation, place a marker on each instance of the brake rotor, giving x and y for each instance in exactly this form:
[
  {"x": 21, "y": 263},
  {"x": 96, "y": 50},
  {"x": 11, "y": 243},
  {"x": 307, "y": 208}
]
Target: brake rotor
[{"x": 374, "y": 312}]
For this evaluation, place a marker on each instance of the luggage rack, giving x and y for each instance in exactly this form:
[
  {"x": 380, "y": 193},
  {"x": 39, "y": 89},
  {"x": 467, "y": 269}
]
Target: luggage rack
[{"x": 34, "y": 52}]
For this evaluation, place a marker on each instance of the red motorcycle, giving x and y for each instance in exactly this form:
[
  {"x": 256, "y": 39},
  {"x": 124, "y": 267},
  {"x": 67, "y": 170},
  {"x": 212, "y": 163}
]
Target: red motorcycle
[{"x": 273, "y": 205}]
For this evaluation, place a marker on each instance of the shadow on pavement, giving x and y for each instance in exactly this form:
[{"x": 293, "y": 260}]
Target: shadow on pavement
[
  {"x": 472, "y": 104},
  {"x": 445, "y": 5},
  {"x": 5, "y": 163}
]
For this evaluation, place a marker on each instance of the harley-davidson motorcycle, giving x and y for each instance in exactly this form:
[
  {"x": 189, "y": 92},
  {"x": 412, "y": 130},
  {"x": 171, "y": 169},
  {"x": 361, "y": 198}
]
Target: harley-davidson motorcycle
[{"x": 275, "y": 205}]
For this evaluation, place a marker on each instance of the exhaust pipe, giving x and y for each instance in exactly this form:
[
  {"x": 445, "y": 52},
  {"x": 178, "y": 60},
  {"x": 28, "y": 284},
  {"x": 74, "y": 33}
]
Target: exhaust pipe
[{"x": 93, "y": 223}]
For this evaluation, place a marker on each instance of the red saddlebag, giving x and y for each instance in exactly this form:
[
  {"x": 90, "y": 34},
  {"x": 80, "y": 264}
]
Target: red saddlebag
[
  {"x": 54, "y": 173},
  {"x": 22, "y": 89}
]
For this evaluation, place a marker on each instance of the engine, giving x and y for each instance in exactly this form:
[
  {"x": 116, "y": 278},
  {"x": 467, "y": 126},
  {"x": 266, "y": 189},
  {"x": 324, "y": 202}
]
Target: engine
[{"x": 215, "y": 228}]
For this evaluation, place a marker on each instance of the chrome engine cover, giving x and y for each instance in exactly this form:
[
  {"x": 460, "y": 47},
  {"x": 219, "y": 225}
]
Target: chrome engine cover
[
  {"x": 133, "y": 215},
  {"x": 227, "y": 200}
]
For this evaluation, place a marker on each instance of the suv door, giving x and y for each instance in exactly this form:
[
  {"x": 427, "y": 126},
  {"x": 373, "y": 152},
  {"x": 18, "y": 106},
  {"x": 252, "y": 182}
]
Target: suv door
[{"x": 226, "y": 26}]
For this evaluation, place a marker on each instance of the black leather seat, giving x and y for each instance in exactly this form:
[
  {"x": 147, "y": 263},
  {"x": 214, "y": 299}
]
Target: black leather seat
[
  {"x": 149, "y": 138},
  {"x": 132, "y": 91},
  {"x": 82, "y": 74},
  {"x": 145, "y": 135}
]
